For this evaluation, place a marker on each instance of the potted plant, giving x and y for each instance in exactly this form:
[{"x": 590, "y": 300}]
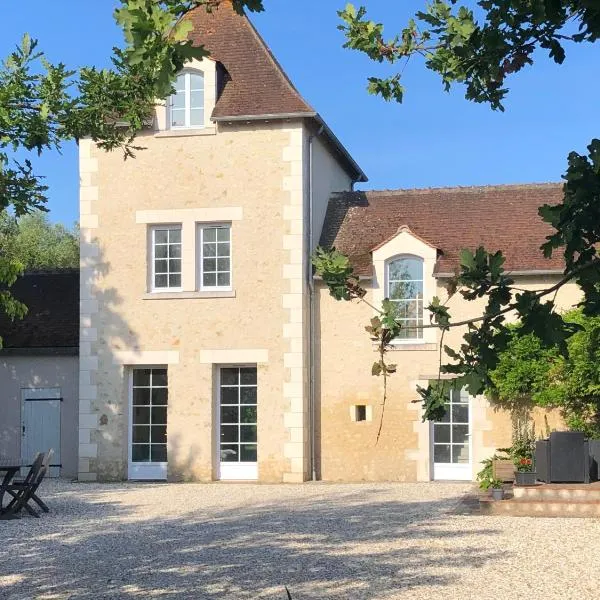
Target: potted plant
[
  {"x": 497, "y": 489},
  {"x": 503, "y": 467},
  {"x": 486, "y": 475},
  {"x": 487, "y": 481},
  {"x": 524, "y": 471},
  {"x": 522, "y": 452}
]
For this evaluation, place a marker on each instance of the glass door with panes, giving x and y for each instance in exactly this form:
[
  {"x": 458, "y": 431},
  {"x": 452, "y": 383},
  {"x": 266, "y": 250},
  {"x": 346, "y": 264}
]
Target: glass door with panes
[
  {"x": 237, "y": 423},
  {"x": 148, "y": 424},
  {"x": 452, "y": 440}
]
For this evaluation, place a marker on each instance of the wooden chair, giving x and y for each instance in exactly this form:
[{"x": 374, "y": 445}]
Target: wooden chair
[
  {"x": 46, "y": 470},
  {"x": 24, "y": 491}
]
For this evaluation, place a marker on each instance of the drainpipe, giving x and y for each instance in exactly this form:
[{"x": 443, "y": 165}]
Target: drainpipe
[{"x": 312, "y": 391}]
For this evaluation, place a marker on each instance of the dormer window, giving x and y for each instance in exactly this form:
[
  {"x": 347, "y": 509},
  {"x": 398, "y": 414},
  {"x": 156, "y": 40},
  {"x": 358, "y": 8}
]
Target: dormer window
[
  {"x": 186, "y": 105},
  {"x": 405, "y": 290}
]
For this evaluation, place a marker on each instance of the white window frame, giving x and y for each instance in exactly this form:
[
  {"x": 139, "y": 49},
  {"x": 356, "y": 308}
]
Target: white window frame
[
  {"x": 454, "y": 471},
  {"x": 138, "y": 471},
  {"x": 234, "y": 471},
  {"x": 153, "y": 230},
  {"x": 201, "y": 227},
  {"x": 421, "y": 338},
  {"x": 188, "y": 102}
]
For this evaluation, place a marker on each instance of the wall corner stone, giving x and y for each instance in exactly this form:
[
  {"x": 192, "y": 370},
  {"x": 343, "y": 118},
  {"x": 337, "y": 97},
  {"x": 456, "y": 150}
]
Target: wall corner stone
[{"x": 88, "y": 311}]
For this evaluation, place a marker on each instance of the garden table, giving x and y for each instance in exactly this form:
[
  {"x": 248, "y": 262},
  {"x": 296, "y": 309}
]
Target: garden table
[{"x": 10, "y": 467}]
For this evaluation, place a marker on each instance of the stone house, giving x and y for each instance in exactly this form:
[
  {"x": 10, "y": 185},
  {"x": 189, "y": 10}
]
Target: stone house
[{"x": 208, "y": 351}]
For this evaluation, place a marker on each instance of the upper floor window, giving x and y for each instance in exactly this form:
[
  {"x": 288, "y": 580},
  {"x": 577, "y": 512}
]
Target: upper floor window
[
  {"x": 405, "y": 289},
  {"x": 186, "y": 105},
  {"x": 166, "y": 258},
  {"x": 215, "y": 257}
]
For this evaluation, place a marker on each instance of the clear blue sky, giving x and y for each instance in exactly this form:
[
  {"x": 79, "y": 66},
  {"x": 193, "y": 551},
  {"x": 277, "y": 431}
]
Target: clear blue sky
[{"x": 433, "y": 139}]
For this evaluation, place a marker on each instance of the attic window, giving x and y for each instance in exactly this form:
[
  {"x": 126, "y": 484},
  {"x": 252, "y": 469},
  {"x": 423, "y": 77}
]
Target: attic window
[
  {"x": 405, "y": 289},
  {"x": 186, "y": 105}
]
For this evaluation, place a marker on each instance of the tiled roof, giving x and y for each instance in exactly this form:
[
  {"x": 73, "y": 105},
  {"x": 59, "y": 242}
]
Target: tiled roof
[
  {"x": 254, "y": 83},
  {"x": 501, "y": 217},
  {"x": 52, "y": 320},
  {"x": 250, "y": 81}
]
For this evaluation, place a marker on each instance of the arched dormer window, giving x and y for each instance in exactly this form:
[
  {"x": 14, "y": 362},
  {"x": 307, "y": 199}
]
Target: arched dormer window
[
  {"x": 186, "y": 105},
  {"x": 404, "y": 276}
]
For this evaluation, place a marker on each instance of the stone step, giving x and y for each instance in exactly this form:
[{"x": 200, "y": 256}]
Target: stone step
[
  {"x": 528, "y": 508},
  {"x": 557, "y": 492}
]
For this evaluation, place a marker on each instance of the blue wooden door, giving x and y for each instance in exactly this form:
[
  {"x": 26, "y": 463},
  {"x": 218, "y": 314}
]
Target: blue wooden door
[{"x": 40, "y": 424}]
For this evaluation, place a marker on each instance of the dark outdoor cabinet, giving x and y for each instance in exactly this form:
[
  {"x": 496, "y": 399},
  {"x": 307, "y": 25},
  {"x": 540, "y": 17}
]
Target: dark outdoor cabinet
[
  {"x": 541, "y": 460},
  {"x": 595, "y": 459},
  {"x": 563, "y": 458}
]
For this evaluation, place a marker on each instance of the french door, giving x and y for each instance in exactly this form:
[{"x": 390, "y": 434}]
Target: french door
[
  {"x": 237, "y": 450},
  {"x": 452, "y": 440},
  {"x": 149, "y": 395}
]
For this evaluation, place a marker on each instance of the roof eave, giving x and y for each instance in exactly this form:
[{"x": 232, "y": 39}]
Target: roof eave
[
  {"x": 523, "y": 273},
  {"x": 360, "y": 175},
  {"x": 264, "y": 117},
  {"x": 360, "y": 277},
  {"x": 40, "y": 351}
]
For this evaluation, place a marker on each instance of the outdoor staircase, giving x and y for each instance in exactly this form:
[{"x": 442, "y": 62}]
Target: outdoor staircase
[{"x": 547, "y": 500}]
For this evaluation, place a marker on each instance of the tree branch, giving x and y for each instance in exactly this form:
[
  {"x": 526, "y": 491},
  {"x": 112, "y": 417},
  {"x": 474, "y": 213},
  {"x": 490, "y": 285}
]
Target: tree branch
[{"x": 540, "y": 294}]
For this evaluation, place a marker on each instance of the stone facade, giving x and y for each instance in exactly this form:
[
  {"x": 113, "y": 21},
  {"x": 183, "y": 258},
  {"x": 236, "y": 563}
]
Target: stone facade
[
  {"x": 348, "y": 449},
  {"x": 254, "y": 176},
  {"x": 262, "y": 162}
]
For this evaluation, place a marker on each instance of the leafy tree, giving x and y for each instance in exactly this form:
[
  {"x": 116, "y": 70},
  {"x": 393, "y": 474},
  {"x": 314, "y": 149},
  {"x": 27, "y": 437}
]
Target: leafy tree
[
  {"x": 36, "y": 243},
  {"x": 42, "y": 105},
  {"x": 581, "y": 376},
  {"x": 480, "y": 49},
  {"x": 528, "y": 374}
]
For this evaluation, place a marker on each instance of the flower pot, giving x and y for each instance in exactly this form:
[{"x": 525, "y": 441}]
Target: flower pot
[
  {"x": 503, "y": 469},
  {"x": 497, "y": 493},
  {"x": 525, "y": 477}
]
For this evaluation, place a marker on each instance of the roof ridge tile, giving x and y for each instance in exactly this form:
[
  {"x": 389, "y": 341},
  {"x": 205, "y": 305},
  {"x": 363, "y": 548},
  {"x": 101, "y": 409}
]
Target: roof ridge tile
[{"x": 457, "y": 188}]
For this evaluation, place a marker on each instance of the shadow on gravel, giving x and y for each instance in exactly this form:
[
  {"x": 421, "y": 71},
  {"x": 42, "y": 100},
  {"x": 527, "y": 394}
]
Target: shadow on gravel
[{"x": 346, "y": 547}]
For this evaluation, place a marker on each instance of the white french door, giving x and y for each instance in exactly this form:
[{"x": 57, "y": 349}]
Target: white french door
[
  {"x": 452, "y": 440},
  {"x": 237, "y": 426},
  {"x": 149, "y": 395}
]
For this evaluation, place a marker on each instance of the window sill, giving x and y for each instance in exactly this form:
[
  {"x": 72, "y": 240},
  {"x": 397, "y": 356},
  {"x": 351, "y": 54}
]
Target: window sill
[
  {"x": 167, "y": 133},
  {"x": 188, "y": 295},
  {"x": 418, "y": 346}
]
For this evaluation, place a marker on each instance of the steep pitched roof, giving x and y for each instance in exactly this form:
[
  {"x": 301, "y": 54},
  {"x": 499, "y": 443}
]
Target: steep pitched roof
[
  {"x": 251, "y": 83},
  {"x": 254, "y": 83},
  {"x": 52, "y": 321},
  {"x": 496, "y": 217}
]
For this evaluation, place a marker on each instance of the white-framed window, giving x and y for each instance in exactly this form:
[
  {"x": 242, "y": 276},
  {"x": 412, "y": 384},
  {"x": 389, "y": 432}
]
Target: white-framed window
[
  {"x": 166, "y": 258},
  {"x": 238, "y": 419},
  {"x": 149, "y": 399},
  {"x": 214, "y": 243},
  {"x": 186, "y": 105},
  {"x": 404, "y": 276}
]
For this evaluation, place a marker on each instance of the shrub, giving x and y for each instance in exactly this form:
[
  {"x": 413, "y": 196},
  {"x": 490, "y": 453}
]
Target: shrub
[{"x": 529, "y": 374}]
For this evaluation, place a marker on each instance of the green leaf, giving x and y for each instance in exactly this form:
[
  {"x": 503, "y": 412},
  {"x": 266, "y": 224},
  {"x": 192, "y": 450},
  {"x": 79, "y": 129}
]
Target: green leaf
[
  {"x": 183, "y": 29},
  {"x": 467, "y": 259}
]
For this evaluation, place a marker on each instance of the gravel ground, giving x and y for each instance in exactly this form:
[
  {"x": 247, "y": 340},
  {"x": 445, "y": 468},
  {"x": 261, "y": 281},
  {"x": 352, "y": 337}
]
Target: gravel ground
[{"x": 324, "y": 541}]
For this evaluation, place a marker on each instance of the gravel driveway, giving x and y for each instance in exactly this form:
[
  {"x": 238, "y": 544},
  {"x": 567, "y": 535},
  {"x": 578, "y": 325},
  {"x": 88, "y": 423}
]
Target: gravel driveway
[{"x": 324, "y": 541}]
